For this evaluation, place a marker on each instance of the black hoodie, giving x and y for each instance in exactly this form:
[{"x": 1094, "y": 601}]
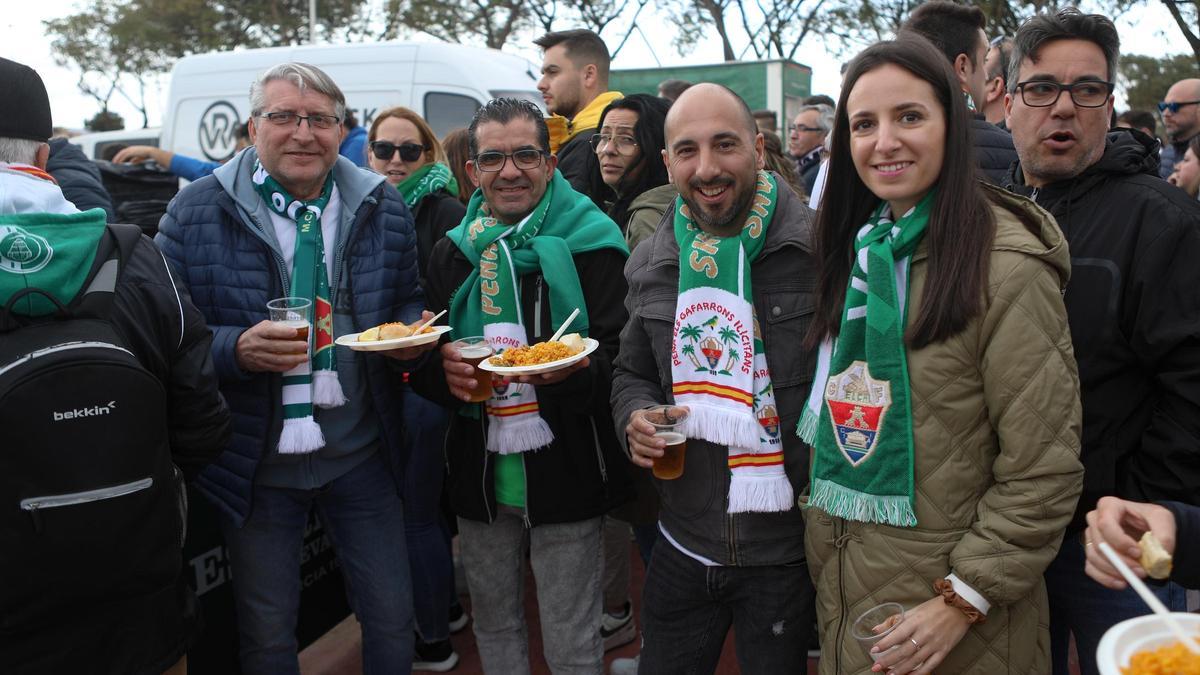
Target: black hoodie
[{"x": 1133, "y": 304}]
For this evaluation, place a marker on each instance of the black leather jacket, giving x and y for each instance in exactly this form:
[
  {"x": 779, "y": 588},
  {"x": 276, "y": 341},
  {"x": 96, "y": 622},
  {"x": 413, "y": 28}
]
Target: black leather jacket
[{"x": 694, "y": 505}]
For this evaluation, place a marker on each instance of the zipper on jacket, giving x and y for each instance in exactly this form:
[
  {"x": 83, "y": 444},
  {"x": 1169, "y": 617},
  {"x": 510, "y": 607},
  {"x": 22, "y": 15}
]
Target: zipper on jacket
[
  {"x": 486, "y": 457},
  {"x": 729, "y": 537},
  {"x": 33, "y": 505},
  {"x": 599, "y": 451},
  {"x": 446, "y": 445},
  {"x": 341, "y": 249},
  {"x": 839, "y": 543},
  {"x": 279, "y": 264},
  {"x": 537, "y": 307},
  {"x": 525, "y": 477}
]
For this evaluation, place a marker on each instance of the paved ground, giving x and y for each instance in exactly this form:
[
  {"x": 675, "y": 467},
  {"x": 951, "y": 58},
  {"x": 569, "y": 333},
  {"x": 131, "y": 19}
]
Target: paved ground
[{"x": 338, "y": 652}]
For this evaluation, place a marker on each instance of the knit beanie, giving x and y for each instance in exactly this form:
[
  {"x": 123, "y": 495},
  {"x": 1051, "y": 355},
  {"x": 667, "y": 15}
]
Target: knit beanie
[{"x": 24, "y": 107}]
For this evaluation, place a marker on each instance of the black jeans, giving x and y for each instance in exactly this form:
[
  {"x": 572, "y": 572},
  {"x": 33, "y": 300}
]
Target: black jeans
[{"x": 688, "y": 608}]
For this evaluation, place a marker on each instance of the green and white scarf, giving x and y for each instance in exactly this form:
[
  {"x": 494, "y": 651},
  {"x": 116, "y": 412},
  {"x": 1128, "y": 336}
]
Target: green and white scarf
[
  {"x": 718, "y": 363},
  {"x": 859, "y": 414},
  {"x": 314, "y": 381},
  {"x": 564, "y": 223},
  {"x": 425, "y": 181}
]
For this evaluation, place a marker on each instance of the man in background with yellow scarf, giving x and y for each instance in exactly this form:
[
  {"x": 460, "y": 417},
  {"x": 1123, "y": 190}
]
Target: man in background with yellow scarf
[{"x": 574, "y": 86}]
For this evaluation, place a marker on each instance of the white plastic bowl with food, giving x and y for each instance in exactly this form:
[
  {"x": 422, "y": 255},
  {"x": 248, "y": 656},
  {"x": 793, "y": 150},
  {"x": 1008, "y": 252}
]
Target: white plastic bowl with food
[{"x": 1143, "y": 634}]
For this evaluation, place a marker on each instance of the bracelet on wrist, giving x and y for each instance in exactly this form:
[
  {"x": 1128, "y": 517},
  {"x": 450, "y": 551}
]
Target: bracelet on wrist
[{"x": 946, "y": 589}]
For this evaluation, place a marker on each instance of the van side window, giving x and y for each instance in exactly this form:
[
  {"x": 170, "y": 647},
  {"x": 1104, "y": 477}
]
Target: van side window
[{"x": 447, "y": 112}]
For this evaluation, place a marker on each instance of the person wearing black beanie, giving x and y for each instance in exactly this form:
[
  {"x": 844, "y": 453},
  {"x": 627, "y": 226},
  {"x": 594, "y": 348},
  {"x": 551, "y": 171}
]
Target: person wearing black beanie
[
  {"x": 102, "y": 586},
  {"x": 25, "y": 107}
]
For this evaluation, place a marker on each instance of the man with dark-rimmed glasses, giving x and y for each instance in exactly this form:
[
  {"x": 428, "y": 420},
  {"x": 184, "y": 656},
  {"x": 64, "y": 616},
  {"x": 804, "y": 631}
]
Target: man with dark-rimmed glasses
[
  {"x": 1132, "y": 303},
  {"x": 538, "y": 463},
  {"x": 1180, "y": 112}
]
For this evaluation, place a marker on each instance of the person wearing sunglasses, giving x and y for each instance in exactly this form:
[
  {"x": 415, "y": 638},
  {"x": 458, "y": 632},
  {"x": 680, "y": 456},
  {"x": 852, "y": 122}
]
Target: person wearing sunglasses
[
  {"x": 1180, "y": 112},
  {"x": 402, "y": 147},
  {"x": 1131, "y": 300}
]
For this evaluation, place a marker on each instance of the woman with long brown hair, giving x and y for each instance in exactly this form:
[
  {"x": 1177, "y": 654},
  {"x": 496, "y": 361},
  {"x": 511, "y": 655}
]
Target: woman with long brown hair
[{"x": 945, "y": 411}]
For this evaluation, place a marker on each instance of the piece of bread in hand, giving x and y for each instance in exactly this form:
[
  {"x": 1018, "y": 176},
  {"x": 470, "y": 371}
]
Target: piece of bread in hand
[
  {"x": 369, "y": 335},
  {"x": 1155, "y": 559}
]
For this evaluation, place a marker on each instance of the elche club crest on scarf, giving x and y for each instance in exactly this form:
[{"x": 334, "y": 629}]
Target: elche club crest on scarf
[
  {"x": 23, "y": 252},
  {"x": 768, "y": 415},
  {"x": 857, "y": 405}
]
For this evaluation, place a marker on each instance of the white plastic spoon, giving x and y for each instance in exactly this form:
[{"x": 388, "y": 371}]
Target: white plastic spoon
[
  {"x": 1150, "y": 599},
  {"x": 558, "y": 333},
  {"x": 435, "y": 317}
]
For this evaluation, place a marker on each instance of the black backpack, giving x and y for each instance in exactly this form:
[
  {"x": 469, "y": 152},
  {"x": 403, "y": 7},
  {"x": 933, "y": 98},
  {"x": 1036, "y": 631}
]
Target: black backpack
[{"x": 92, "y": 510}]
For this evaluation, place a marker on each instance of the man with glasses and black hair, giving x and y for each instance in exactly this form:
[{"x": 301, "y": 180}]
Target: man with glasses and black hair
[
  {"x": 806, "y": 140},
  {"x": 538, "y": 463},
  {"x": 313, "y": 427},
  {"x": 1131, "y": 302},
  {"x": 1180, "y": 112}
]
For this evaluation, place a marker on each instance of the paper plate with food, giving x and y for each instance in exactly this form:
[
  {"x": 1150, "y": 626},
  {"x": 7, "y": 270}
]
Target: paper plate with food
[
  {"x": 391, "y": 336},
  {"x": 543, "y": 357},
  {"x": 1146, "y": 646}
]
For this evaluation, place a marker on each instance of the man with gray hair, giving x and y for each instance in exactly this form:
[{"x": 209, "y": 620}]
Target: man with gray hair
[
  {"x": 806, "y": 139},
  {"x": 315, "y": 424}
]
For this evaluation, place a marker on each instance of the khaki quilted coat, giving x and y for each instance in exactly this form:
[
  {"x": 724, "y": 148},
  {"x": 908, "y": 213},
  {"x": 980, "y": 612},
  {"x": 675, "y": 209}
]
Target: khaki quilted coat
[{"x": 996, "y": 423}]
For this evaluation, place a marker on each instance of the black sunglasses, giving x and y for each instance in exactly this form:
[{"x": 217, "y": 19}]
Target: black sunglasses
[
  {"x": 1174, "y": 106},
  {"x": 409, "y": 152}
]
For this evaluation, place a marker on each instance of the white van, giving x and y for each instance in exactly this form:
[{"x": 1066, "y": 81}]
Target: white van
[
  {"x": 95, "y": 144},
  {"x": 444, "y": 83}
]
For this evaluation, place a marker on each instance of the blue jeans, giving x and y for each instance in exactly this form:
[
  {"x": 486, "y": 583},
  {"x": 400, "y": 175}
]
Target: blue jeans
[
  {"x": 1083, "y": 607},
  {"x": 688, "y": 608},
  {"x": 363, "y": 517},
  {"x": 426, "y": 534}
]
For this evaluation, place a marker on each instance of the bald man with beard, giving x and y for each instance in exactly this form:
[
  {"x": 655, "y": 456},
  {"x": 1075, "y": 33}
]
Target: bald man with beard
[
  {"x": 1181, "y": 117},
  {"x": 723, "y": 562}
]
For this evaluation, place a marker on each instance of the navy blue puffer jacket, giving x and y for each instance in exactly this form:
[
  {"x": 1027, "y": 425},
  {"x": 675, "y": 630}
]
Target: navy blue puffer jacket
[{"x": 217, "y": 244}]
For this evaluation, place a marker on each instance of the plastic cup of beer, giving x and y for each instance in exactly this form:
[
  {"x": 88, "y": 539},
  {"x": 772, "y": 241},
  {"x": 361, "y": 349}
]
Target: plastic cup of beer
[
  {"x": 667, "y": 421},
  {"x": 875, "y": 624},
  {"x": 293, "y": 313},
  {"x": 473, "y": 351}
]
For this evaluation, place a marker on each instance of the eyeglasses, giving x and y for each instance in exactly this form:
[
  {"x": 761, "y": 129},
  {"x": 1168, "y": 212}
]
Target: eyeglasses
[
  {"x": 409, "y": 152},
  {"x": 1085, "y": 94},
  {"x": 624, "y": 145},
  {"x": 282, "y": 119},
  {"x": 1174, "y": 106},
  {"x": 803, "y": 127},
  {"x": 525, "y": 159}
]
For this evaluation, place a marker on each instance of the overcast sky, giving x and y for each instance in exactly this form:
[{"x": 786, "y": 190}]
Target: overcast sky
[{"x": 22, "y": 38}]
